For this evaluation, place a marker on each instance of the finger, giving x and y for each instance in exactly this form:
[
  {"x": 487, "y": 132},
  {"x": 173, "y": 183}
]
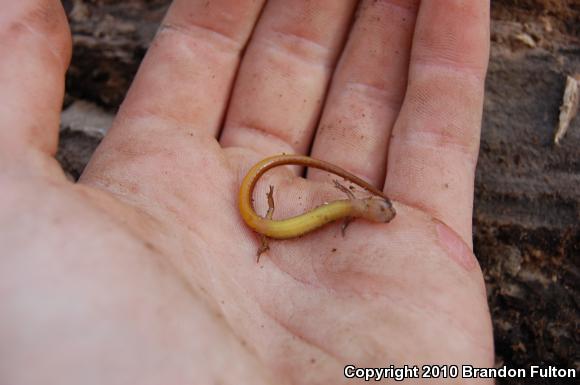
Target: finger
[
  {"x": 176, "y": 103},
  {"x": 187, "y": 73},
  {"x": 34, "y": 54},
  {"x": 434, "y": 146},
  {"x": 367, "y": 91},
  {"x": 283, "y": 78}
]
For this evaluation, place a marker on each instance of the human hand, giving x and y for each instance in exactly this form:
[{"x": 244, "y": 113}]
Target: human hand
[{"x": 143, "y": 272}]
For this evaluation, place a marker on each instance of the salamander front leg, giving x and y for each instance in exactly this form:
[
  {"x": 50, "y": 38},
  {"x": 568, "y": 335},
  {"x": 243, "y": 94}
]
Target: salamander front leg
[{"x": 350, "y": 195}]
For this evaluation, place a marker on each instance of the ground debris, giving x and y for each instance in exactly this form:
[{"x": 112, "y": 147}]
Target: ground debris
[
  {"x": 526, "y": 39},
  {"x": 569, "y": 107}
]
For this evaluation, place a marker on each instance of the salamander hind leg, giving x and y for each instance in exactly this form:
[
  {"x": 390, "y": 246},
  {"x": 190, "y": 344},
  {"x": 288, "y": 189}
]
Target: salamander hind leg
[{"x": 264, "y": 245}]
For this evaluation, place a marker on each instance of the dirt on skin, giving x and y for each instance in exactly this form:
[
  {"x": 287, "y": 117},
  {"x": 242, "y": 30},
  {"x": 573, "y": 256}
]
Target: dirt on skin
[{"x": 527, "y": 206}]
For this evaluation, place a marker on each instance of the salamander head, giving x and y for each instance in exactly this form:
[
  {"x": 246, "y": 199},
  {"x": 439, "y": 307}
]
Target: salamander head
[{"x": 374, "y": 209}]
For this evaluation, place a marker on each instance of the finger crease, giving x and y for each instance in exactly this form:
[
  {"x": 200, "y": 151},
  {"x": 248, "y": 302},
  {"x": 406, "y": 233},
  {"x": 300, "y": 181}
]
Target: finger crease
[
  {"x": 48, "y": 44},
  {"x": 438, "y": 140},
  {"x": 376, "y": 92},
  {"x": 281, "y": 140},
  {"x": 467, "y": 71},
  {"x": 299, "y": 47},
  {"x": 201, "y": 34},
  {"x": 410, "y": 6}
]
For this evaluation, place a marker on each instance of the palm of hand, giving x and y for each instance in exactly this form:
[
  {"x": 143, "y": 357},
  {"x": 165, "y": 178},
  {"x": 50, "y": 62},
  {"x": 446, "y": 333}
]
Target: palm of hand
[{"x": 145, "y": 266}]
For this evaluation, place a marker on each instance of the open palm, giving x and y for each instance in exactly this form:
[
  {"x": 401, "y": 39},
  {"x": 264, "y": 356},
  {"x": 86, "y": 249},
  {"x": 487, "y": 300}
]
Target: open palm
[{"x": 144, "y": 272}]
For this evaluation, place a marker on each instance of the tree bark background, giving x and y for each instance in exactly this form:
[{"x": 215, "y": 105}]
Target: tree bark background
[{"x": 527, "y": 207}]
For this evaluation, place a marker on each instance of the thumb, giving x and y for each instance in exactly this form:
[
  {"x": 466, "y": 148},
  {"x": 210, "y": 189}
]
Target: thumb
[{"x": 34, "y": 55}]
